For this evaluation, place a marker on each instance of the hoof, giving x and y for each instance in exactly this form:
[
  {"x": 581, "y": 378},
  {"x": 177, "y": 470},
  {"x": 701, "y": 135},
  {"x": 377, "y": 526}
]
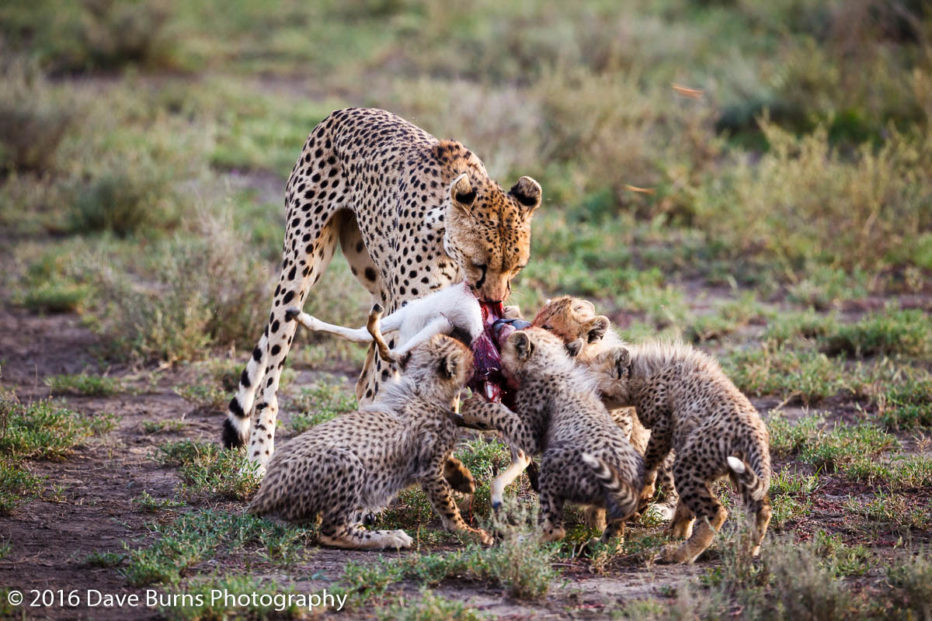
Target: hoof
[{"x": 292, "y": 313}]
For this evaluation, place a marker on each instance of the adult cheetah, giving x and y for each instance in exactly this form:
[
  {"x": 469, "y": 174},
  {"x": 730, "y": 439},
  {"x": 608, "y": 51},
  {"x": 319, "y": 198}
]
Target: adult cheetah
[
  {"x": 411, "y": 213},
  {"x": 357, "y": 463}
]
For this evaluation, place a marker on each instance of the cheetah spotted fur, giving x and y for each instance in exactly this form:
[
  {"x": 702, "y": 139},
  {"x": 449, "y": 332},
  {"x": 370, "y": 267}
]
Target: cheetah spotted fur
[
  {"x": 585, "y": 457},
  {"x": 411, "y": 213},
  {"x": 357, "y": 463},
  {"x": 573, "y": 319},
  {"x": 691, "y": 407}
]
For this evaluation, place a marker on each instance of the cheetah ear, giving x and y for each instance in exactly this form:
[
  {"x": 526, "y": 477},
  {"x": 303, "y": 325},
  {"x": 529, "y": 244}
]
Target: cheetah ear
[
  {"x": 596, "y": 329},
  {"x": 574, "y": 348},
  {"x": 523, "y": 345},
  {"x": 622, "y": 361},
  {"x": 448, "y": 366},
  {"x": 527, "y": 192},
  {"x": 462, "y": 193}
]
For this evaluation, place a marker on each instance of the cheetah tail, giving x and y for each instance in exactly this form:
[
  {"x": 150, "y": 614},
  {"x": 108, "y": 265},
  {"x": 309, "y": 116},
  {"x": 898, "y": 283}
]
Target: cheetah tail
[
  {"x": 753, "y": 485},
  {"x": 236, "y": 426},
  {"x": 621, "y": 497}
]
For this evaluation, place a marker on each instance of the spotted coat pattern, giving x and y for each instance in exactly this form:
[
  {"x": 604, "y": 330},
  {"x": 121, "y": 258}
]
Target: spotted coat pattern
[
  {"x": 355, "y": 464},
  {"x": 557, "y": 414},
  {"x": 691, "y": 407},
  {"x": 411, "y": 213},
  {"x": 574, "y": 319}
]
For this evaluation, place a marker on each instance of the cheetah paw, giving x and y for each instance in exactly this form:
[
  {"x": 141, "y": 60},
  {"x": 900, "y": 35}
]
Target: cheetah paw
[
  {"x": 397, "y": 540},
  {"x": 674, "y": 553}
]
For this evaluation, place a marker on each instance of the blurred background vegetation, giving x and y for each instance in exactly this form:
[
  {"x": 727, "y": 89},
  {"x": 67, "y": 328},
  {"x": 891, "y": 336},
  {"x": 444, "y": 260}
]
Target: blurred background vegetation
[{"x": 705, "y": 163}]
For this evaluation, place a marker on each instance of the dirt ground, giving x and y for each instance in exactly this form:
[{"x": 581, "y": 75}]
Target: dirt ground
[{"x": 94, "y": 511}]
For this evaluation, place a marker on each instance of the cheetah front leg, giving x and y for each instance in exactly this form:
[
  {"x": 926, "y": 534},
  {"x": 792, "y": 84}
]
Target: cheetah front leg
[{"x": 441, "y": 499}]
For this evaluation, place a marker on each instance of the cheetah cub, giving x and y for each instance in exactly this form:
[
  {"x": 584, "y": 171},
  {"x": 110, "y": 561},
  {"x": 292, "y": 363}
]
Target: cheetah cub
[
  {"x": 691, "y": 407},
  {"x": 572, "y": 319},
  {"x": 557, "y": 413},
  {"x": 357, "y": 463}
]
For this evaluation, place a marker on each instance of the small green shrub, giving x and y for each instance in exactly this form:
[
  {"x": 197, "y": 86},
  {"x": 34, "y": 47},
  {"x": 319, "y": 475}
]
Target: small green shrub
[
  {"x": 91, "y": 34},
  {"x": 206, "y": 290},
  {"x": 911, "y": 582},
  {"x": 902, "y": 332},
  {"x": 83, "y": 384},
  {"x": 33, "y": 119},
  {"x": 43, "y": 430},
  {"x": 131, "y": 197},
  {"x": 16, "y": 485},
  {"x": 805, "y": 204},
  {"x": 205, "y": 467}
]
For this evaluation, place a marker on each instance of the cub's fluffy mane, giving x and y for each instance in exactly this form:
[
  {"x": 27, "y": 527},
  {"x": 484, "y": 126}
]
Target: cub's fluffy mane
[
  {"x": 649, "y": 358},
  {"x": 398, "y": 393}
]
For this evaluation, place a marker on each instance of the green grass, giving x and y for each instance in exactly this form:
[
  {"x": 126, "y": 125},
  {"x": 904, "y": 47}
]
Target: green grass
[
  {"x": 911, "y": 582},
  {"x": 84, "y": 384},
  {"x": 16, "y": 486},
  {"x": 44, "y": 430},
  {"x": 209, "y": 396},
  {"x": 325, "y": 400},
  {"x": 833, "y": 449},
  {"x": 427, "y": 607},
  {"x": 522, "y": 568},
  {"x": 891, "y": 512},
  {"x": 104, "y": 559},
  {"x": 907, "y": 405},
  {"x": 901, "y": 332},
  {"x": 204, "y": 534},
  {"x": 770, "y": 369},
  {"x": 146, "y": 502},
  {"x": 206, "y": 468}
]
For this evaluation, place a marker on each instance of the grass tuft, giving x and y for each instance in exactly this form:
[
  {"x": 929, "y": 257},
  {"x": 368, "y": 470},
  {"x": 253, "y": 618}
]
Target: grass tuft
[{"x": 207, "y": 468}]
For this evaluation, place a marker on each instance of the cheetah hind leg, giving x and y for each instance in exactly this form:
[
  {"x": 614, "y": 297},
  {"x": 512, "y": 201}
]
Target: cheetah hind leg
[
  {"x": 352, "y": 536},
  {"x": 709, "y": 523}
]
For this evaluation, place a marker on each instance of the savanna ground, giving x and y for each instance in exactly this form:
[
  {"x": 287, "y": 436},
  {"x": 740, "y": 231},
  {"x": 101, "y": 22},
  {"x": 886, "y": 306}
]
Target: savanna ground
[{"x": 753, "y": 177}]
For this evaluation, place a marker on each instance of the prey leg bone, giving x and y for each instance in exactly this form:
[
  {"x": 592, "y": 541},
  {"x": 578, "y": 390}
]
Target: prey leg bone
[{"x": 372, "y": 325}]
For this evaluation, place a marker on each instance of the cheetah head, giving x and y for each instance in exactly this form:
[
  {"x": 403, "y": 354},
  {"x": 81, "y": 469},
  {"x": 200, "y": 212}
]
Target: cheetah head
[
  {"x": 488, "y": 233},
  {"x": 440, "y": 366},
  {"x": 572, "y": 319},
  {"x": 612, "y": 370},
  {"x": 533, "y": 352}
]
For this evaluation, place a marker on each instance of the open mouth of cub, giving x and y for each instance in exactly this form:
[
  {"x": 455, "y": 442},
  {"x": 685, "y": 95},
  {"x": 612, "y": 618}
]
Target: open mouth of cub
[{"x": 488, "y": 379}]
